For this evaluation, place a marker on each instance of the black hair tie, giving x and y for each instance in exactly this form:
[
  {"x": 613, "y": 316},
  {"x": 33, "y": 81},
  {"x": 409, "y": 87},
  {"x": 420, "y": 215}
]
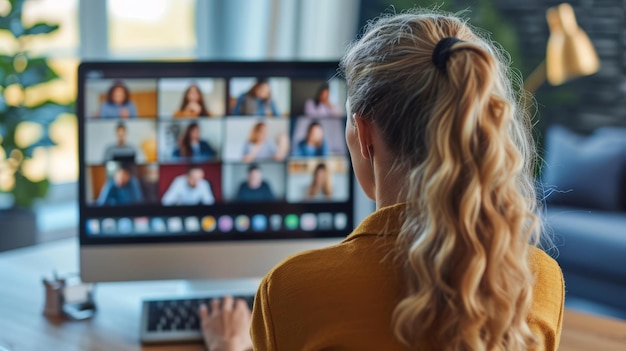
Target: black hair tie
[{"x": 441, "y": 54}]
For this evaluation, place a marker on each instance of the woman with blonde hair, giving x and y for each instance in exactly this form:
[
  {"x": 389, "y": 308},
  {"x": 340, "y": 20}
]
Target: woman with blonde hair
[{"x": 449, "y": 260}]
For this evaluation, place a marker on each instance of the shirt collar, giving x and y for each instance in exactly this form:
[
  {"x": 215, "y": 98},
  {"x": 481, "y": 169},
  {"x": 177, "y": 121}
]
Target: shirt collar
[{"x": 385, "y": 221}]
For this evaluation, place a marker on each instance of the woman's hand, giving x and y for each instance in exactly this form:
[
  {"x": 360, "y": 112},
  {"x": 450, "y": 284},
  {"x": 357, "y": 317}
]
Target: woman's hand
[{"x": 226, "y": 328}]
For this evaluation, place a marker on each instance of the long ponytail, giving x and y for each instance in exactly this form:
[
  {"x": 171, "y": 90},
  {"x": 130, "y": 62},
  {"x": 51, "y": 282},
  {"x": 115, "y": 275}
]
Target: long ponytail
[{"x": 470, "y": 196}]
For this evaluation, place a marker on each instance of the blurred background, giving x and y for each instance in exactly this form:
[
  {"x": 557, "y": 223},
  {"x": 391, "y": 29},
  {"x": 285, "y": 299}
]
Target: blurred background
[{"x": 38, "y": 156}]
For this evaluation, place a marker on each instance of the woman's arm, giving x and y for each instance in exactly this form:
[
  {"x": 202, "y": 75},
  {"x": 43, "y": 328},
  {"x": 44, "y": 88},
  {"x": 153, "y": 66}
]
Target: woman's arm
[
  {"x": 275, "y": 111},
  {"x": 171, "y": 195},
  {"x": 132, "y": 110},
  {"x": 324, "y": 148},
  {"x": 107, "y": 110},
  {"x": 238, "y": 105},
  {"x": 309, "y": 108},
  {"x": 207, "y": 196},
  {"x": 136, "y": 189},
  {"x": 104, "y": 193}
]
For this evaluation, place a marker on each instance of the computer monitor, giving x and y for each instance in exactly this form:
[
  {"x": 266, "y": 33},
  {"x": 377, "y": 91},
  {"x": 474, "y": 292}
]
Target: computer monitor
[{"x": 209, "y": 170}]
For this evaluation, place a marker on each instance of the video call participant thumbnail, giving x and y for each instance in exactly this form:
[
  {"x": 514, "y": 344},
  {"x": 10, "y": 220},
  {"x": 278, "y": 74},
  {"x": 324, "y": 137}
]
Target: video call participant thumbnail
[
  {"x": 121, "y": 150},
  {"x": 256, "y": 101},
  {"x": 128, "y": 98},
  {"x": 255, "y": 188},
  {"x": 318, "y": 137},
  {"x": 122, "y": 188},
  {"x": 320, "y": 187},
  {"x": 259, "y": 96},
  {"x": 265, "y": 139},
  {"x": 131, "y": 141},
  {"x": 314, "y": 144},
  {"x": 190, "y": 141},
  {"x": 193, "y": 104},
  {"x": 191, "y": 146},
  {"x": 259, "y": 146},
  {"x": 318, "y": 180},
  {"x": 189, "y": 188},
  {"x": 254, "y": 182},
  {"x": 321, "y": 105},
  {"x": 191, "y": 97},
  {"x": 118, "y": 103},
  {"x": 318, "y": 98}
]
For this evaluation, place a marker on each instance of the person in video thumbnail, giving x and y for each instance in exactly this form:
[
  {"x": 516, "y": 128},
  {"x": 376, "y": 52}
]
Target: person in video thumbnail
[
  {"x": 118, "y": 104},
  {"x": 255, "y": 188},
  {"x": 313, "y": 144},
  {"x": 122, "y": 189},
  {"x": 121, "y": 150},
  {"x": 258, "y": 146},
  {"x": 193, "y": 104},
  {"x": 191, "y": 146},
  {"x": 257, "y": 101},
  {"x": 321, "y": 106},
  {"x": 320, "y": 188},
  {"x": 189, "y": 189}
]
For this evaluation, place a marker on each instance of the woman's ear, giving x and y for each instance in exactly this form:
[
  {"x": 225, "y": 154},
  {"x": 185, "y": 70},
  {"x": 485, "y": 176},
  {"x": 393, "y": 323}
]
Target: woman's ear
[{"x": 364, "y": 134}]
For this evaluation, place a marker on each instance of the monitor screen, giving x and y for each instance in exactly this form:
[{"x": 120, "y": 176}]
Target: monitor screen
[{"x": 212, "y": 151}]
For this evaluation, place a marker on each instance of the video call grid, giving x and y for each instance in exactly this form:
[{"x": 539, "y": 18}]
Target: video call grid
[{"x": 198, "y": 162}]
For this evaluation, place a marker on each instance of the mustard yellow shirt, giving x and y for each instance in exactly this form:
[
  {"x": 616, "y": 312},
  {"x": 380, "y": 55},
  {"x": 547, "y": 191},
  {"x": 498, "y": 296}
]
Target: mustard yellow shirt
[{"x": 342, "y": 297}]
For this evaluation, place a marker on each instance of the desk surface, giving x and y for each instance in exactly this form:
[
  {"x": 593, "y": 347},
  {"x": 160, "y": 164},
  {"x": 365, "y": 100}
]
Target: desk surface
[{"x": 116, "y": 325}]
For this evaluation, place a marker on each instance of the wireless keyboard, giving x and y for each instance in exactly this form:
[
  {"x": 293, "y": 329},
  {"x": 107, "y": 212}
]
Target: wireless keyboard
[{"x": 168, "y": 320}]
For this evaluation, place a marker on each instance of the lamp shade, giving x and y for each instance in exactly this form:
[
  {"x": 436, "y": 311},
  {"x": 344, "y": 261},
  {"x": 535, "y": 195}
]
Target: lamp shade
[{"x": 569, "y": 53}]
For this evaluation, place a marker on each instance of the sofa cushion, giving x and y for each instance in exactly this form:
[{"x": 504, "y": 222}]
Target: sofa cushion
[
  {"x": 619, "y": 136},
  {"x": 591, "y": 242},
  {"x": 584, "y": 171}
]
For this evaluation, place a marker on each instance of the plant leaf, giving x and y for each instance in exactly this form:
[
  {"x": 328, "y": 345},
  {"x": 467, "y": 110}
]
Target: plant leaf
[
  {"x": 41, "y": 28},
  {"x": 16, "y": 5},
  {"x": 37, "y": 71},
  {"x": 5, "y": 21},
  {"x": 13, "y": 20},
  {"x": 6, "y": 69},
  {"x": 44, "y": 113},
  {"x": 13, "y": 115},
  {"x": 16, "y": 27},
  {"x": 26, "y": 191},
  {"x": 3, "y": 105}
]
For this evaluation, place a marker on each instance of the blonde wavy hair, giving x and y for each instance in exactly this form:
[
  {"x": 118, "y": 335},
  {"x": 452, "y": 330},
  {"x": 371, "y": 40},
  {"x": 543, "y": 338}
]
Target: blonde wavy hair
[{"x": 465, "y": 148}]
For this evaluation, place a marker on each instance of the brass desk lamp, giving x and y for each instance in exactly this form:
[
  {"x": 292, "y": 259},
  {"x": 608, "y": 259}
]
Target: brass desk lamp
[{"x": 569, "y": 53}]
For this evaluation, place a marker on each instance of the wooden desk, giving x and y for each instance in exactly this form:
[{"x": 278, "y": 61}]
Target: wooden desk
[{"x": 116, "y": 325}]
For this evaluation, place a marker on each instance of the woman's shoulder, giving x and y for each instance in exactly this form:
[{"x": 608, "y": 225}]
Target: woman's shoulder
[
  {"x": 306, "y": 263},
  {"x": 542, "y": 264},
  {"x": 549, "y": 287}
]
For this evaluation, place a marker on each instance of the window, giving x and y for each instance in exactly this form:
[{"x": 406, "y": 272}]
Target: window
[{"x": 151, "y": 28}]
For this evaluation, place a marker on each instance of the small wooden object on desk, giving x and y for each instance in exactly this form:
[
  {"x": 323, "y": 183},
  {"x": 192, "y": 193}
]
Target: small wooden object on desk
[{"x": 68, "y": 298}]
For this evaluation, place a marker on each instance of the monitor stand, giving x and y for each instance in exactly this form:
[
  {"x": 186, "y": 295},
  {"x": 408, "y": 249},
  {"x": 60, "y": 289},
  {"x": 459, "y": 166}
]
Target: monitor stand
[{"x": 219, "y": 286}]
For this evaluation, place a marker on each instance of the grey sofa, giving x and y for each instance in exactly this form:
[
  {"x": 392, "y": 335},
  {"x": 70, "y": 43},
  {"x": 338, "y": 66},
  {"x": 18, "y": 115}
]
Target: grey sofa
[{"x": 585, "y": 182}]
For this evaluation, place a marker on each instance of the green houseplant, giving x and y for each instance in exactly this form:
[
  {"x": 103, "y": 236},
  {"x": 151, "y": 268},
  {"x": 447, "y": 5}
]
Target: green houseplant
[{"x": 19, "y": 74}]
